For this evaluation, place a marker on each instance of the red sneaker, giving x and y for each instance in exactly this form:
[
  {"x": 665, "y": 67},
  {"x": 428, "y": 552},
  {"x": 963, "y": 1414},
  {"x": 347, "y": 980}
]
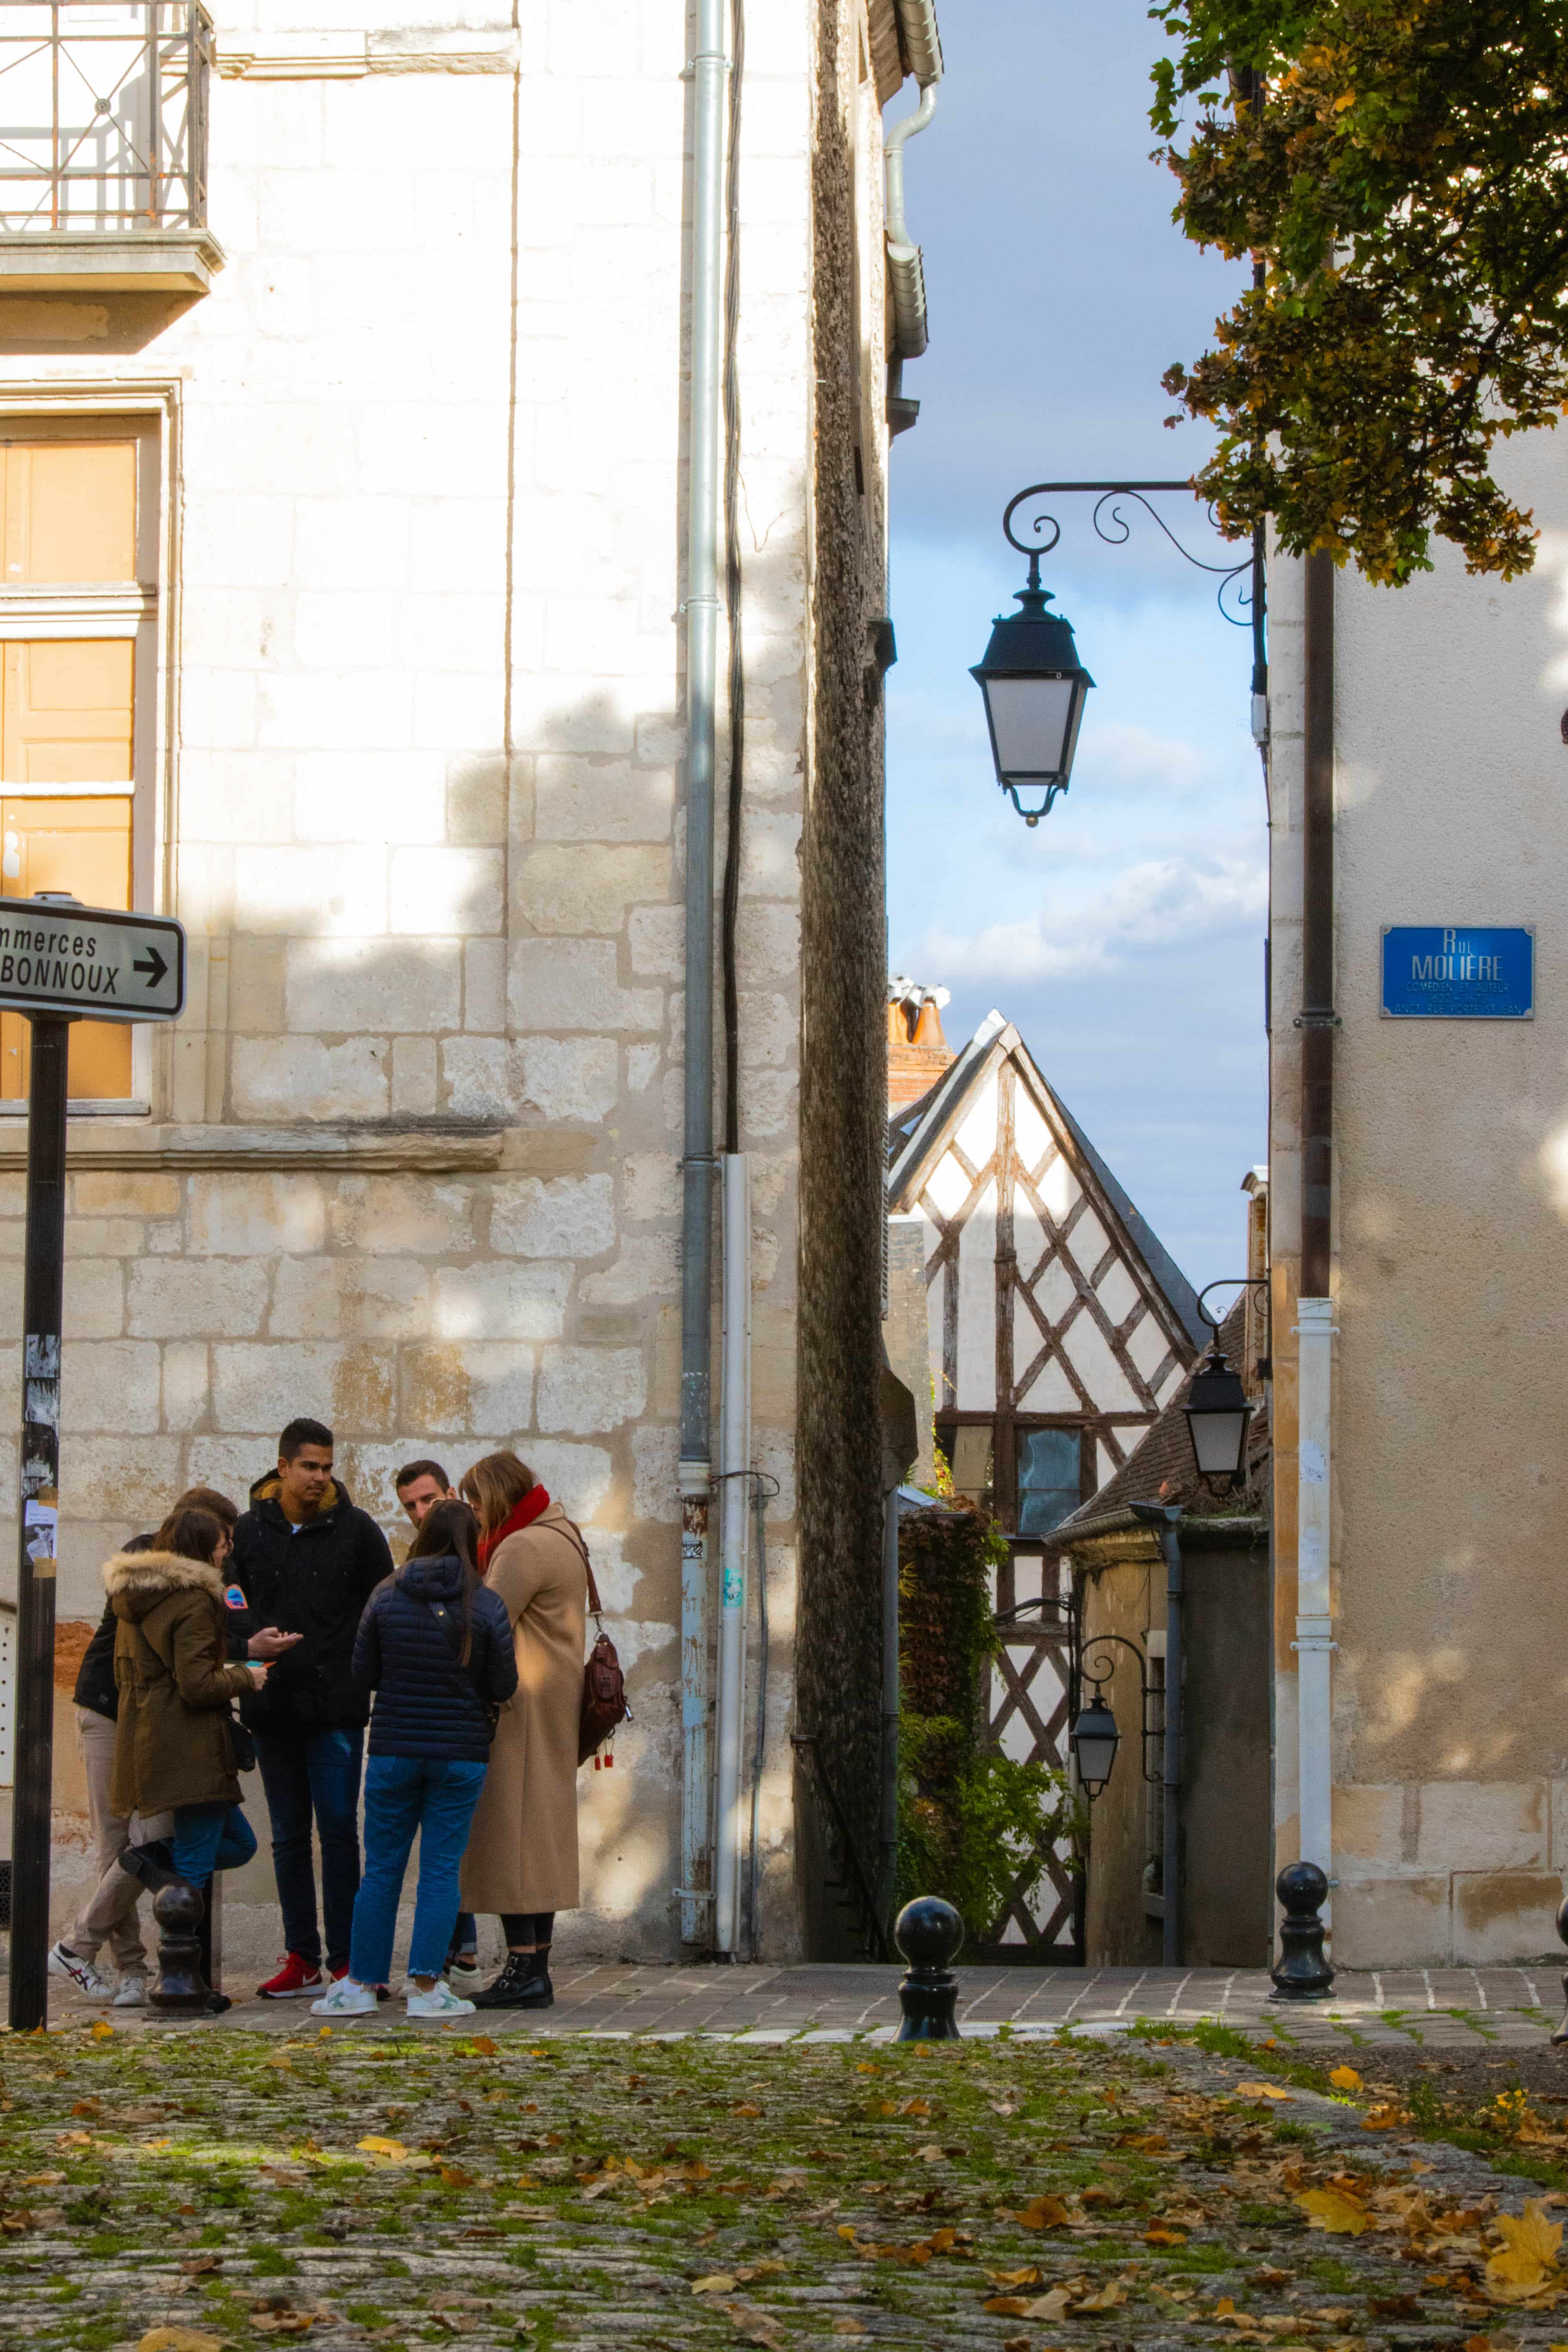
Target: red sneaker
[{"x": 294, "y": 1981}]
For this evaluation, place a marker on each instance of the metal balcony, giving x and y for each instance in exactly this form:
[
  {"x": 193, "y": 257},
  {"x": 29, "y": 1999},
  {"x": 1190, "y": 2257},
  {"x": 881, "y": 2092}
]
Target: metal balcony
[{"x": 103, "y": 145}]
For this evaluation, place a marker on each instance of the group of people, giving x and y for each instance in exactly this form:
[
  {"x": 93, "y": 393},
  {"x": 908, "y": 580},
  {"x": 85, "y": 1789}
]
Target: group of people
[{"x": 466, "y": 1665}]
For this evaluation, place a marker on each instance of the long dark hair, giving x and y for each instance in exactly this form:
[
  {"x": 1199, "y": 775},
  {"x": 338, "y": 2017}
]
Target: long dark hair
[{"x": 450, "y": 1531}]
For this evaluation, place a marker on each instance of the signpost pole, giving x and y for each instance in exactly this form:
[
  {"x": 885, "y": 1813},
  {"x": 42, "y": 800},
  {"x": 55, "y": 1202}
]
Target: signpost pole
[{"x": 45, "y": 1284}]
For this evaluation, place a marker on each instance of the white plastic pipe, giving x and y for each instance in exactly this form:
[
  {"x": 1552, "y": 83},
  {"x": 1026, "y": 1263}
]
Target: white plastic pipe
[
  {"x": 1314, "y": 1600},
  {"x": 735, "y": 1463}
]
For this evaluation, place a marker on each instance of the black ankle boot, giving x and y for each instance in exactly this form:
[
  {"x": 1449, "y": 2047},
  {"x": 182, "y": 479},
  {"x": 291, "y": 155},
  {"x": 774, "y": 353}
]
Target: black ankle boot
[
  {"x": 523, "y": 1983},
  {"x": 153, "y": 1864}
]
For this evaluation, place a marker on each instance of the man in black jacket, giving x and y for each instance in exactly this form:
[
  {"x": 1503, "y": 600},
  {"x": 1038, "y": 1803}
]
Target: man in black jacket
[{"x": 307, "y": 1561}]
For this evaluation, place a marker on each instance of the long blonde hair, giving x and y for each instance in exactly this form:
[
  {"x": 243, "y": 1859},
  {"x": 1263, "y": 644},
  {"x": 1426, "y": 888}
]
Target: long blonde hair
[{"x": 494, "y": 1486}]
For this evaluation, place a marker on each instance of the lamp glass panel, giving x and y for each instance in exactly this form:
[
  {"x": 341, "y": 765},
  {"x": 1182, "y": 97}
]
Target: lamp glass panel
[
  {"x": 1031, "y": 720},
  {"x": 1096, "y": 1754},
  {"x": 1047, "y": 1478},
  {"x": 1217, "y": 1440}
]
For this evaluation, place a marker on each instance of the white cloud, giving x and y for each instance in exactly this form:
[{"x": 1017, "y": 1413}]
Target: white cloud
[{"x": 1098, "y": 927}]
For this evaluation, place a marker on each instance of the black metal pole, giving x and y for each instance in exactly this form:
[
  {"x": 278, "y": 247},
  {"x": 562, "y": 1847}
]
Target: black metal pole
[
  {"x": 34, "y": 1795},
  {"x": 1170, "y": 1873}
]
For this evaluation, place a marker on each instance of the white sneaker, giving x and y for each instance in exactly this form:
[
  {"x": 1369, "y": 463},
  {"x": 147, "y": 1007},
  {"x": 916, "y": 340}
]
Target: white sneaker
[
  {"x": 133, "y": 1993},
  {"x": 439, "y": 2002},
  {"x": 64, "y": 1962},
  {"x": 347, "y": 1998}
]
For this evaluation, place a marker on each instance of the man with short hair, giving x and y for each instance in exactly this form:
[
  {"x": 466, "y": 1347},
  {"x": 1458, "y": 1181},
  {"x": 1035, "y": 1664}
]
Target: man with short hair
[
  {"x": 420, "y": 1485},
  {"x": 307, "y": 1560}
]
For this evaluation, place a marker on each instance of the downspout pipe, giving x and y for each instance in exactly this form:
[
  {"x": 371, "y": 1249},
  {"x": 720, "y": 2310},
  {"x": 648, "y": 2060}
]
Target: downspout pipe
[
  {"x": 1317, "y": 1023},
  {"x": 707, "y": 69},
  {"x": 906, "y": 270},
  {"x": 1165, "y": 1518},
  {"x": 734, "y": 1499}
]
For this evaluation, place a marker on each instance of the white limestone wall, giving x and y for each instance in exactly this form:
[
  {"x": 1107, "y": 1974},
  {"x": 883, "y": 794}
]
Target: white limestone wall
[
  {"x": 411, "y": 1157},
  {"x": 1450, "y": 1430}
]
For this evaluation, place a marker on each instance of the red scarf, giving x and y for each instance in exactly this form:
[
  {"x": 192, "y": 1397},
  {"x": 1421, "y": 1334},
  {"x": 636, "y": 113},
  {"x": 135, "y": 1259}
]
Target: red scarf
[{"x": 522, "y": 1514}]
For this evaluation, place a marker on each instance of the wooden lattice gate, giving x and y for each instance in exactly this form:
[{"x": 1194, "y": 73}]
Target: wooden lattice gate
[{"x": 1027, "y": 1715}]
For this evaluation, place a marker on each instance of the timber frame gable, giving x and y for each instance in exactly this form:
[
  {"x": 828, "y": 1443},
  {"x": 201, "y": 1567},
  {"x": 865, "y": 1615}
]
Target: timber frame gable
[{"x": 1051, "y": 1301}]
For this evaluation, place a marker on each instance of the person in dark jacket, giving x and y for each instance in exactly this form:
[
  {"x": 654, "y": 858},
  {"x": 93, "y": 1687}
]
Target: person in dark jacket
[
  {"x": 306, "y": 1560},
  {"x": 436, "y": 1647},
  {"x": 110, "y": 1915}
]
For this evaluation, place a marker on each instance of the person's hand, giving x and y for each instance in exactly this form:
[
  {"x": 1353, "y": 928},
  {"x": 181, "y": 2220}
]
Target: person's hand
[
  {"x": 270, "y": 1643},
  {"x": 258, "y": 1670}
]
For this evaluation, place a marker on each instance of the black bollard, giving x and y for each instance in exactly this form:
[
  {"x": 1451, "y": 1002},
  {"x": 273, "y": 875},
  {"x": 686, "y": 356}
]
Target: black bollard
[
  {"x": 179, "y": 1984},
  {"x": 1303, "y": 1971},
  {"x": 1561, "y": 2036},
  {"x": 928, "y": 1932}
]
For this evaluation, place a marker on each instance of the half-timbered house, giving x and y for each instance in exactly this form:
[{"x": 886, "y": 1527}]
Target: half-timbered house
[{"x": 1059, "y": 1328}]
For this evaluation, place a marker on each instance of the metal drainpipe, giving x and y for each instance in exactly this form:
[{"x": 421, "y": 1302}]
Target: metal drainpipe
[
  {"x": 1165, "y": 1518},
  {"x": 735, "y": 1457},
  {"x": 906, "y": 274},
  {"x": 1317, "y": 1023},
  {"x": 709, "y": 66}
]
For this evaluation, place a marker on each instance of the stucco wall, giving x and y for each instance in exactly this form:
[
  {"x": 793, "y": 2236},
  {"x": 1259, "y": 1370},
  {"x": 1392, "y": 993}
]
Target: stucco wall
[
  {"x": 420, "y": 656},
  {"x": 1451, "y": 1218}
]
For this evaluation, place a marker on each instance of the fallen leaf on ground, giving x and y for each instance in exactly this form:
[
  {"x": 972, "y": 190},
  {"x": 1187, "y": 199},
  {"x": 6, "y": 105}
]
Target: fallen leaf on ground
[
  {"x": 1262, "y": 2090},
  {"x": 392, "y": 2149},
  {"x": 1387, "y": 2115},
  {"x": 198, "y": 2265},
  {"x": 180, "y": 2339},
  {"x": 929, "y": 2154},
  {"x": 1043, "y": 2213},
  {"x": 1053, "y": 2306},
  {"x": 1030, "y": 2275},
  {"x": 1159, "y": 2237},
  {"x": 721, "y": 2283},
  {"x": 1333, "y": 2211},
  {"x": 847, "y": 2327},
  {"x": 1345, "y": 2078},
  {"x": 483, "y": 2044},
  {"x": 1107, "y": 2299},
  {"x": 755, "y": 2327},
  {"x": 1530, "y": 2249},
  {"x": 1006, "y": 2306}
]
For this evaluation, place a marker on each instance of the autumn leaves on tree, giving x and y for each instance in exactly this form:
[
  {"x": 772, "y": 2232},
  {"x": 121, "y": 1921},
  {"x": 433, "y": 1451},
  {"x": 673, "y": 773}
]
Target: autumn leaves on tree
[{"x": 1398, "y": 172}]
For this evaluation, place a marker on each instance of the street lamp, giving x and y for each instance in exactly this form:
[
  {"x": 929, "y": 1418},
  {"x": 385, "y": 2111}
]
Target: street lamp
[
  {"x": 1095, "y": 1740},
  {"x": 1034, "y": 685},
  {"x": 1032, "y": 679},
  {"x": 1217, "y": 1417}
]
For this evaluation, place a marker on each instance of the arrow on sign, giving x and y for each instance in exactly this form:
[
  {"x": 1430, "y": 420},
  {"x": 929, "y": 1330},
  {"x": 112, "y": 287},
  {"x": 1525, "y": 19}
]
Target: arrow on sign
[{"x": 153, "y": 964}]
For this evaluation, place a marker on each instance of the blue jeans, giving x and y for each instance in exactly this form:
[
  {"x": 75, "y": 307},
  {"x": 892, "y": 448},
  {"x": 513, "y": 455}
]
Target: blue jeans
[
  {"x": 402, "y": 1794},
  {"x": 314, "y": 1774},
  {"x": 208, "y": 1838}
]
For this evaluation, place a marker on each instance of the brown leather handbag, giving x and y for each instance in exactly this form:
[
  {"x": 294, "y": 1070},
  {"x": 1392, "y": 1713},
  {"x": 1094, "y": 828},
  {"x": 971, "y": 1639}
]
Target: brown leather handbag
[{"x": 604, "y": 1685}]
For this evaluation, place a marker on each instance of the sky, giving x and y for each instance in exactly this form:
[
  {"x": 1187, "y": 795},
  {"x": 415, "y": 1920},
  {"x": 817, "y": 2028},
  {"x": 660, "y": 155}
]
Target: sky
[{"x": 1124, "y": 934}]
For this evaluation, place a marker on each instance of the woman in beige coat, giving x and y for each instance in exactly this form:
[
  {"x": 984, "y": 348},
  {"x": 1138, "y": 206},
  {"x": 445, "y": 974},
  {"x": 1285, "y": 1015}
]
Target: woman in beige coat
[{"x": 521, "y": 1860}]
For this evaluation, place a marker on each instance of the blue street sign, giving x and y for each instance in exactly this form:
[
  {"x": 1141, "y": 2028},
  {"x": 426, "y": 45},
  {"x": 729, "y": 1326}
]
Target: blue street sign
[{"x": 1470, "y": 971}]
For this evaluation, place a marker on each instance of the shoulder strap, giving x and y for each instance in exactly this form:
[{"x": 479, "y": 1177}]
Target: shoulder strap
[{"x": 595, "y": 1606}]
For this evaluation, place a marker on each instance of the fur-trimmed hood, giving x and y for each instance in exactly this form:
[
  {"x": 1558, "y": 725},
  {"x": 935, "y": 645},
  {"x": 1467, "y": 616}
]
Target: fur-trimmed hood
[
  {"x": 264, "y": 1490},
  {"x": 137, "y": 1581}
]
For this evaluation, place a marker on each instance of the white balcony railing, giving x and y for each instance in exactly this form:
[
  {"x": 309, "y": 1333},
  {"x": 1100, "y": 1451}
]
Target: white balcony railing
[{"x": 103, "y": 114}]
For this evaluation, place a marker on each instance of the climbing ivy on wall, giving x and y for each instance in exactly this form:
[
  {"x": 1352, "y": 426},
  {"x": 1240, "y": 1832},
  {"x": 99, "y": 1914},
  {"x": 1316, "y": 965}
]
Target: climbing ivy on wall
[{"x": 972, "y": 1822}]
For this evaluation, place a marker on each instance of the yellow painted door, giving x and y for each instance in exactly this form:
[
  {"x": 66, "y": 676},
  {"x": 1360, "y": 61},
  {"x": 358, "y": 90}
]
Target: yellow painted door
[
  {"x": 82, "y": 847},
  {"x": 69, "y": 510}
]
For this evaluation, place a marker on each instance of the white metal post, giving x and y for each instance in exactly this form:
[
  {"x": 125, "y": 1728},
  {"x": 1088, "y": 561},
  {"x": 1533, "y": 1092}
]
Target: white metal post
[
  {"x": 734, "y": 1462},
  {"x": 1314, "y": 1600}
]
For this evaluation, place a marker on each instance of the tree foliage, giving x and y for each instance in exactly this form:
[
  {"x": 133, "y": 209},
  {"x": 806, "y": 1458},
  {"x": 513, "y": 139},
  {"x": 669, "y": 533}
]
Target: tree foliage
[{"x": 1398, "y": 169}]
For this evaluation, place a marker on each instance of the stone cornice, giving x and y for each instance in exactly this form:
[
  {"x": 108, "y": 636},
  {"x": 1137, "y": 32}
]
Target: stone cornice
[
  {"x": 349, "y": 56},
  {"x": 106, "y": 1143}
]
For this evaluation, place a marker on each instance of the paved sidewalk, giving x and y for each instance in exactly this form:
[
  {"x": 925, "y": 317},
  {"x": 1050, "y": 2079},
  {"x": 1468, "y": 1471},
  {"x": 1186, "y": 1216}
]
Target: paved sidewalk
[{"x": 1440, "y": 2007}]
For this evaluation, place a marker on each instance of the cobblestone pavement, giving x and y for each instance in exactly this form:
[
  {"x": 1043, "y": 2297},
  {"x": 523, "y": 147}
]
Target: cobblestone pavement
[{"x": 1436, "y": 2006}]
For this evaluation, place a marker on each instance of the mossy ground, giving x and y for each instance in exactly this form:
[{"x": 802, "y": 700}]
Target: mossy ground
[{"x": 650, "y": 2195}]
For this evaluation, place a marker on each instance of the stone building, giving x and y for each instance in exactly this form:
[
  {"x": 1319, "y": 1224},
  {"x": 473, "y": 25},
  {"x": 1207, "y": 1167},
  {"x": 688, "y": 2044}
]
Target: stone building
[
  {"x": 1419, "y": 1226},
  {"x": 346, "y": 372}
]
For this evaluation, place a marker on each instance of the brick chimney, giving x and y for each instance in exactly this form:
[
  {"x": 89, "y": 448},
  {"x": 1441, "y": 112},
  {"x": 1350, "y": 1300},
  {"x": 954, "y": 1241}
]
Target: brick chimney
[{"x": 917, "y": 1051}]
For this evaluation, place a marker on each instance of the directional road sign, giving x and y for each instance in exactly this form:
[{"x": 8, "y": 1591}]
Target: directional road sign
[{"x": 57, "y": 956}]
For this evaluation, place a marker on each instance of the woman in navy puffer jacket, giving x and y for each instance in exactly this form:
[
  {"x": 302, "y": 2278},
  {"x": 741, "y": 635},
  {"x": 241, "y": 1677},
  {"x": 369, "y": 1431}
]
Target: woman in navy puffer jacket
[{"x": 435, "y": 1644}]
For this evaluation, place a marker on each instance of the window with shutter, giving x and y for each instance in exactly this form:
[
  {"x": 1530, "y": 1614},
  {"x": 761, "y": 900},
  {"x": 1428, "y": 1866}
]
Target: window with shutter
[{"x": 71, "y": 611}]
